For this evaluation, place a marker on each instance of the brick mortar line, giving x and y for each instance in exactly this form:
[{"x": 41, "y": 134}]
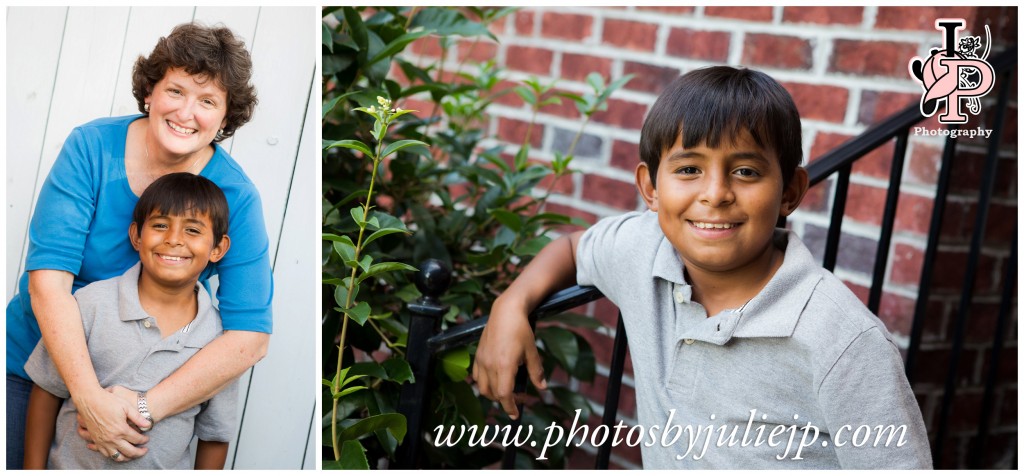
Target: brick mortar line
[
  {"x": 863, "y": 31},
  {"x": 601, "y": 211},
  {"x": 810, "y": 76},
  {"x": 524, "y": 115}
]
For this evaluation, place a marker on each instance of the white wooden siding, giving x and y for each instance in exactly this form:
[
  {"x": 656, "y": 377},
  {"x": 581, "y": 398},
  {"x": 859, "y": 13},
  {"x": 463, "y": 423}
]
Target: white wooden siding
[{"x": 67, "y": 66}]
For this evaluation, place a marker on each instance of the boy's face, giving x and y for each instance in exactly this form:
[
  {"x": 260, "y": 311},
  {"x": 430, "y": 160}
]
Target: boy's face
[
  {"x": 174, "y": 249},
  {"x": 718, "y": 207}
]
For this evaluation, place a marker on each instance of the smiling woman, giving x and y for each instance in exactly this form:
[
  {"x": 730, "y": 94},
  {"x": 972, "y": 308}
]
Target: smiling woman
[{"x": 195, "y": 90}]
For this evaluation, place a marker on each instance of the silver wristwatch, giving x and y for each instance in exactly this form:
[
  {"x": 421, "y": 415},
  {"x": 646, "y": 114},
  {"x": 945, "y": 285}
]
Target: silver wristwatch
[{"x": 144, "y": 411}]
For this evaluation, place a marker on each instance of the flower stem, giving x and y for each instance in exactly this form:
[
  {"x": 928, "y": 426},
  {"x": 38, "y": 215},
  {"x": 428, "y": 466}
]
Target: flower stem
[{"x": 348, "y": 301}]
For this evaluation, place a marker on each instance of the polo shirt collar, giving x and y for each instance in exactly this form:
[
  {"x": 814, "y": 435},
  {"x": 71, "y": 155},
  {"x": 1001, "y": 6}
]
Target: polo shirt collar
[
  {"x": 773, "y": 312},
  {"x": 667, "y": 263},
  {"x": 130, "y": 308}
]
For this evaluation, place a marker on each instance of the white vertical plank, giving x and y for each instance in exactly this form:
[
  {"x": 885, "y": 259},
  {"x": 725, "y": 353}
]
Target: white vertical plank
[
  {"x": 86, "y": 76},
  {"x": 290, "y": 371},
  {"x": 92, "y": 78},
  {"x": 146, "y": 25},
  {"x": 312, "y": 449},
  {"x": 282, "y": 68},
  {"x": 33, "y": 48}
]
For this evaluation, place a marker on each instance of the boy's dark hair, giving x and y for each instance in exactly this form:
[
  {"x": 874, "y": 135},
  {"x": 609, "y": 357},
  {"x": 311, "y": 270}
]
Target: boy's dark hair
[
  {"x": 180, "y": 193},
  {"x": 213, "y": 52},
  {"x": 717, "y": 103}
]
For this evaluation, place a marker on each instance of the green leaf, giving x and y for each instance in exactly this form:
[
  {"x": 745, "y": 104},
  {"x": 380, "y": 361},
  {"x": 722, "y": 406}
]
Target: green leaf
[
  {"x": 586, "y": 364},
  {"x": 447, "y": 22},
  {"x": 359, "y": 313},
  {"x": 398, "y": 44},
  {"x": 348, "y": 391},
  {"x": 561, "y": 344},
  {"x": 365, "y": 263},
  {"x": 507, "y": 218},
  {"x": 369, "y": 369},
  {"x": 384, "y": 268},
  {"x": 466, "y": 402},
  {"x": 551, "y": 100},
  {"x": 333, "y": 237},
  {"x": 341, "y": 293},
  {"x": 385, "y": 220},
  {"x": 455, "y": 363},
  {"x": 326, "y": 39},
  {"x": 570, "y": 401},
  {"x": 393, "y": 422},
  {"x": 398, "y": 370},
  {"x": 352, "y": 144},
  {"x": 383, "y": 232},
  {"x": 345, "y": 248},
  {"x": 399, "y": 145},
  {"x": 532, "y": 246},
  {"x": 615, "y": 85},
  {"x": 353, "y": 456},
  {"x": 497, "y": 161},
  {"x": 357, "y": 216},
  {"x": 377, "y": 71},
  {"x": 521, "y": 158},
  {"x": 330, "y": 105},
  {"x": 528, "y": 96},
  {"x": 354, "y": 20}
]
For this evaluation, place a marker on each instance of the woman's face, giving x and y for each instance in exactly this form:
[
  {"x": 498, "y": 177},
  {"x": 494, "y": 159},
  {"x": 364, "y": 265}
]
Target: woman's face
[{"x": 185, "y": 112}]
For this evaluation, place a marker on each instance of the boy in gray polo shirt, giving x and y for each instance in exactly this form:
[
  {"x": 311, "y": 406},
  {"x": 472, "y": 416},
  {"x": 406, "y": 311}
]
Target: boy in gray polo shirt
[
  {"x": 140, "y": 327},
  {"x": 746, "y": 353}
]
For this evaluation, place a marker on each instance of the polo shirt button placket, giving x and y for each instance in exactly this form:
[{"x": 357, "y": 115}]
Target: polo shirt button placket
[
  {"x": 679, "y": 296},
  {"x": 146, "y": 323}
]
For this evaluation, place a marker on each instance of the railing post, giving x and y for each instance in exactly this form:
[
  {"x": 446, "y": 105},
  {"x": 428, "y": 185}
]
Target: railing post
[{"x": 432, "y": 281}]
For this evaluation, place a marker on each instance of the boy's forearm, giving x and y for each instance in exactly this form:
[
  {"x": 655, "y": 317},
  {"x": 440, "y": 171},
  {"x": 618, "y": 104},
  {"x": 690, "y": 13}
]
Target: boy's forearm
[
  {"x": 214, "y": 367},
  {"x": 211, "y": 454},
  {"x": 553, "y": 269},
  {"x": 40, "y": 426}
]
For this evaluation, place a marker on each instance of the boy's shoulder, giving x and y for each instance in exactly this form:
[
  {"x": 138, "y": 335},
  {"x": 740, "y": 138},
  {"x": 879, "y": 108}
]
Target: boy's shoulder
[
  {"x": 637, "y": 232},
  {"x": 108, "y": 297},
  {"x": 110, "y": 288}
]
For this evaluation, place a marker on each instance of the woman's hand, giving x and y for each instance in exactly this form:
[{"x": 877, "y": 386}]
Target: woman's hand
[
  {"x": 506, "y": 343},
  {"x": 103, "y": 418}
]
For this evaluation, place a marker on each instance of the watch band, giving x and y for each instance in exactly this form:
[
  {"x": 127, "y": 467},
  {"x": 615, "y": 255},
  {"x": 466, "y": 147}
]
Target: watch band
[{"x": 144, "y": 411}]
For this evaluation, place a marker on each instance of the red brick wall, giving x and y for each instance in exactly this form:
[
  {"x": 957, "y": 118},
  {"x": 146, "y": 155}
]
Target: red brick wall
[{"x": 846, "y": 68}]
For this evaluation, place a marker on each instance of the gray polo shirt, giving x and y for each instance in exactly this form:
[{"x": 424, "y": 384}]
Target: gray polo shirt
[
  {"x": 804, "y": 359},
  {"x": 126, "y": 349}
]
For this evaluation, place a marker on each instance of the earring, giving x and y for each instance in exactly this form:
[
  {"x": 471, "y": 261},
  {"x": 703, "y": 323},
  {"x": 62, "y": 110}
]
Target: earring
[
  {"x": 220, "y": 132},
  {"x": 145, "y": 107}
]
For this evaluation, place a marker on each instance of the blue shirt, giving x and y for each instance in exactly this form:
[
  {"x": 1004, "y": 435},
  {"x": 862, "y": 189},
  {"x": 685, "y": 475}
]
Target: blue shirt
[{"x": 80, "y": 225}]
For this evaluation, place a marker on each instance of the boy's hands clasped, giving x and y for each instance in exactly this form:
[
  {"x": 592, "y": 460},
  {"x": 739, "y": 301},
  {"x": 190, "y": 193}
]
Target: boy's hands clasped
[{"x": 507, "y": 342}]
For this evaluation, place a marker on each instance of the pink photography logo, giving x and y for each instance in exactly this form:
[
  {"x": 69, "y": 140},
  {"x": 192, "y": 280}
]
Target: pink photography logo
[{"x": 954, "y": 74}]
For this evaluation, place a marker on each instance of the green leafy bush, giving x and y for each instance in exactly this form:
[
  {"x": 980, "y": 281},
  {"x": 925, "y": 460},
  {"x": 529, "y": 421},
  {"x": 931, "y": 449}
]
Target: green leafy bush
[{"x": 428, "y": 184}]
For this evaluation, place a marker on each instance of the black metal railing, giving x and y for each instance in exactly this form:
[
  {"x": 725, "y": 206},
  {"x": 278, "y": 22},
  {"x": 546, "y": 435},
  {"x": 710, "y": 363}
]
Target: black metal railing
[{"x": 424, "y": 343}]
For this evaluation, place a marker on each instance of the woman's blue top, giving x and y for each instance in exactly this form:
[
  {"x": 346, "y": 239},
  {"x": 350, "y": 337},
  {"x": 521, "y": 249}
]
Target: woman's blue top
[{"x": 80, "y": 225}]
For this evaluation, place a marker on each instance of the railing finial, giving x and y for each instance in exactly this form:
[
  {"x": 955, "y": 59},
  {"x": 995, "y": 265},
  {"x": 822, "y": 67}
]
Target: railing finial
[{"x": 433, "y": 280}]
